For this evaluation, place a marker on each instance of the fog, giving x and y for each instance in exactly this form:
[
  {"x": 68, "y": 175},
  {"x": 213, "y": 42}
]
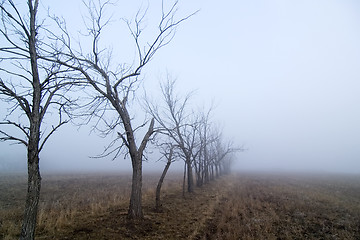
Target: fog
[{"x": 284, "y": 77}]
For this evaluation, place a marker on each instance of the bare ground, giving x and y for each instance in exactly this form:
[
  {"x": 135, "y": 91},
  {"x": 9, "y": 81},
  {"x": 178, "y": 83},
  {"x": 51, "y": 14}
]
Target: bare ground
[{"x": 240, "y": 206}]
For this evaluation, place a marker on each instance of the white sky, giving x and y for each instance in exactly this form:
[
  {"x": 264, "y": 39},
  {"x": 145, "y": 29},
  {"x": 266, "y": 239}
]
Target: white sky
[{"x": 285, "y": 76}]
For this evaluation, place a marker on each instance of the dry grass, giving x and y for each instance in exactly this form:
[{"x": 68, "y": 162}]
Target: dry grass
[
  {"x": 234, "y": 207},
  {"x": 301, "y": 207},
  {"x": 66, "y": 199}
]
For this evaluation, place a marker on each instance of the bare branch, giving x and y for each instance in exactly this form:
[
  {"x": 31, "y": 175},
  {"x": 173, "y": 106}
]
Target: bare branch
[
  {"x": 24, "y": 104},
  {"x": 51, "y": 133},
  {"x": 8, "y": 137},
  {"x": 147, "y": 136},
  {"x": 17, "y": 125}
]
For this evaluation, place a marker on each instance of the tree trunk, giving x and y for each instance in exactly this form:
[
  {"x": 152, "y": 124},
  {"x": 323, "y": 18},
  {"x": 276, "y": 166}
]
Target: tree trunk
[
  {"x": 34, "y": 178},
  {"x": 184, "y": 178},
  {"x": 32, "y": 197},
  {"x": 135, "y": 208},
  {"x": 198, "y": 179},
  {"x": 158, "y": 188},
  {"x": 203, "y": 176},
  {"x": 207, "y": 178},
  {"x": 198, "y": 174},
  {"x": 190, "y": 176}
]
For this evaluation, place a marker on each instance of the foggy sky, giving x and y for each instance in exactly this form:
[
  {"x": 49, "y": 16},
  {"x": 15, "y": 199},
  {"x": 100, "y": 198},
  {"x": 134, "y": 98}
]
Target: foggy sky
[{"x": 284, "y": 75}]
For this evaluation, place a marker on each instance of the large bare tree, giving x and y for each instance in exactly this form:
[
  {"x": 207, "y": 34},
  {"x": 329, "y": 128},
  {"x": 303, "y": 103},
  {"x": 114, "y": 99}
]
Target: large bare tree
[
  {"x": 34, "y": 90},
  {"x": 114, "y": 84}
]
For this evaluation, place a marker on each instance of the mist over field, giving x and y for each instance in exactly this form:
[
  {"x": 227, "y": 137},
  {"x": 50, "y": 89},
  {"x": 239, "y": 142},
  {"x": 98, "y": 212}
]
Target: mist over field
[{"x": 283, "y": 77}]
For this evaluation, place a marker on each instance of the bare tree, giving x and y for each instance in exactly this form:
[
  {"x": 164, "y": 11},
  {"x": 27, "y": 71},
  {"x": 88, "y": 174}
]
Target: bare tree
[
  {"x": 221, "y": 152},
  {"x": 168, "y": 152},
  {"x": 211, "y": 152},
  {"x": 33, "y": 89},
  {"x": 178, "y": 123},
  {"x": 200, "y": 143},
  {"x": 115, "y": 87},
  {"x": 201, "y": 162}
]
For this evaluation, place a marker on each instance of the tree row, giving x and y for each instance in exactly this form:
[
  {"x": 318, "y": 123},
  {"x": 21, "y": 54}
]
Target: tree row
[{"x": 50, "y": 76}]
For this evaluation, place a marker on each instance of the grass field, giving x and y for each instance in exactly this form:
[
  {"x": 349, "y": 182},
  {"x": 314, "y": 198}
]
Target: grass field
[{"x": 239, "y": 206}]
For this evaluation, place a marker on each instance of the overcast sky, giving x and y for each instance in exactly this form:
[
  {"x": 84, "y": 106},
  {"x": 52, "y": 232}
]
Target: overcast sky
[{"x": 284, "y": 75}]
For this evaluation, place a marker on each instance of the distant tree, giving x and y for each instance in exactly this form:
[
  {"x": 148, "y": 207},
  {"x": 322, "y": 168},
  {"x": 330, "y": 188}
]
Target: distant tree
[
  {"x": 168, "y": 152},
  {"x": 199, "y": 143},
  {"x": 211, "y": 152},
  {"x": 178, "y": 123},
  {"x": 34, "y": 89},
  {"x": 114, "y": 87},
  {"x": 202, "y": 160},
  {"x": 221, "y": 152}
]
